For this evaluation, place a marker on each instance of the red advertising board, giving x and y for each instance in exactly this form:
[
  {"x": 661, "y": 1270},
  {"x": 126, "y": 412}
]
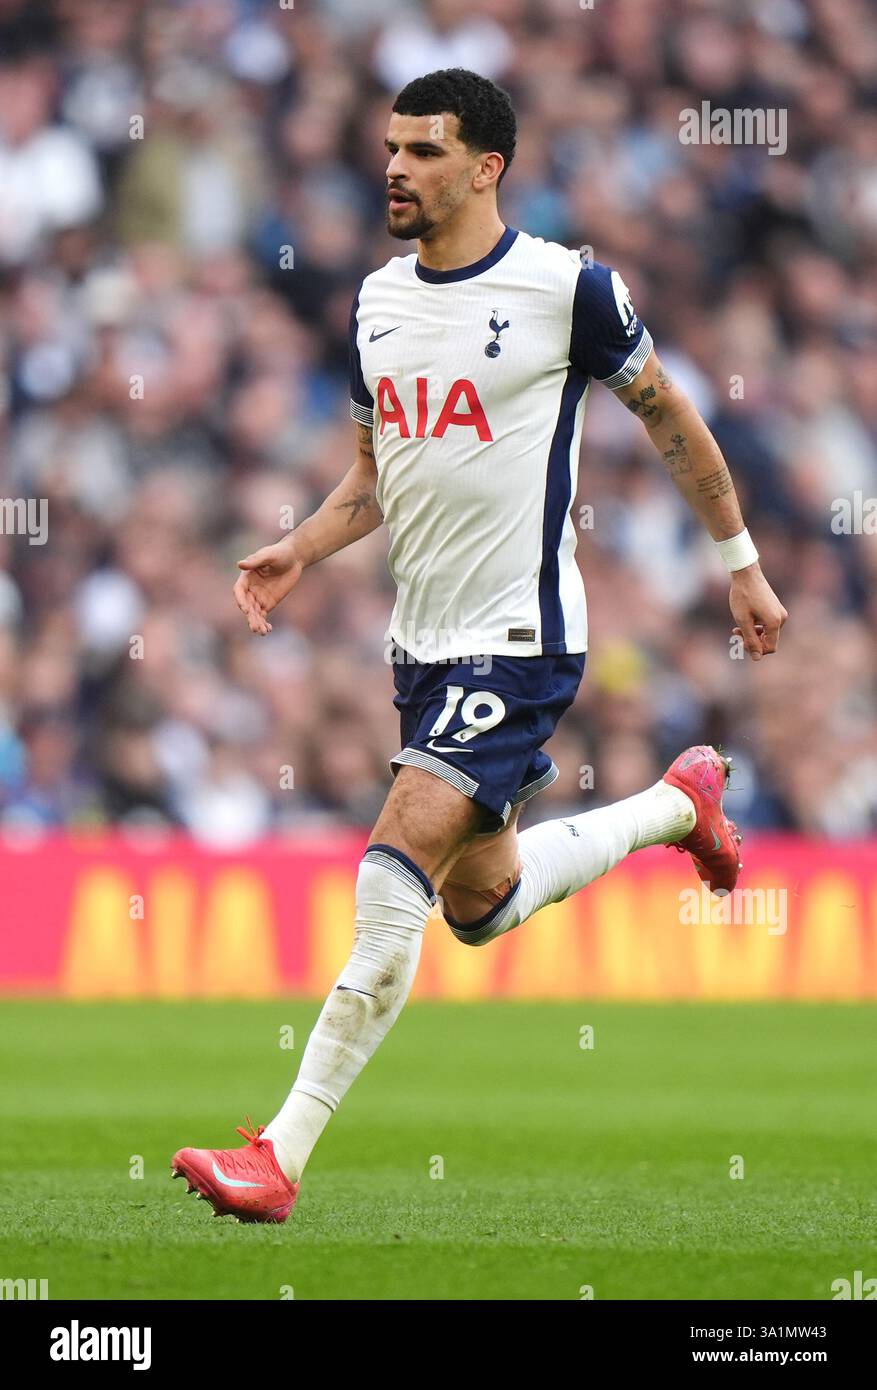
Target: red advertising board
[{"x": 114, "y": 917}]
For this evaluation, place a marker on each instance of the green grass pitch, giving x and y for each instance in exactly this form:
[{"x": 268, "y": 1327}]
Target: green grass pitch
[{"x": 563, "y": 1167}]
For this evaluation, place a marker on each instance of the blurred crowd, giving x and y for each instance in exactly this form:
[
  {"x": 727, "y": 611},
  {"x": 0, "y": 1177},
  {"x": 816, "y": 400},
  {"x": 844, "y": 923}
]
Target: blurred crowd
[{"x": 190, "y": 193}]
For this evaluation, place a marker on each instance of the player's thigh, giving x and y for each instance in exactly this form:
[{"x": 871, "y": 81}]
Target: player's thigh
[
  {"x": 488, "y": 859},
  {"x": 427, "y": 819},
  {"x": 483, "y": 874}
]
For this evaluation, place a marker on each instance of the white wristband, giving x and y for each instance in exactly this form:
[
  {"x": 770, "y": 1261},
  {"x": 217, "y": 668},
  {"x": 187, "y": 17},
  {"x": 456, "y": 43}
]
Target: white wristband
[{"x": 738, "y": 551}]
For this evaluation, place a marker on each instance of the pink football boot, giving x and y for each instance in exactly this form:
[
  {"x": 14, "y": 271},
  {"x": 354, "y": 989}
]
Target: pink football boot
[
  {"x": 702, "y": 774},
  {"x": 247, "y": 1183}
]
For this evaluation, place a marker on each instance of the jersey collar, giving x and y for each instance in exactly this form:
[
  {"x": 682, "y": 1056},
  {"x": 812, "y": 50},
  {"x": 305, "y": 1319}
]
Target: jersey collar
[{"x": 465, "y": 272}]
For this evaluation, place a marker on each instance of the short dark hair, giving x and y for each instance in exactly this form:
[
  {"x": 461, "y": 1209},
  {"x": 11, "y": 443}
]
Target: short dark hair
[{"x": 485, "y": 112}]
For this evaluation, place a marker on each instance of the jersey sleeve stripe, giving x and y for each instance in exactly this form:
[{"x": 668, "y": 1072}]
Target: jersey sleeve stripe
[
  {"x": 633, "y": 366},
  {"x": 359, "y": 392},
  {"x": 362, "y": 414}
]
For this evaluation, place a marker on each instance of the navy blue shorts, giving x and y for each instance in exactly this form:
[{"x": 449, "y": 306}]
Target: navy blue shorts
[{"x": 480, "y": 722}]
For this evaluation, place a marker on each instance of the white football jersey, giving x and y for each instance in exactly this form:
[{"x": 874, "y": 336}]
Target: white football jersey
[{"x": 474, "y": 383}]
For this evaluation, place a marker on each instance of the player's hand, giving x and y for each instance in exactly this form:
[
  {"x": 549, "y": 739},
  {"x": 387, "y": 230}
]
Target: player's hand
[
  {"x": 757, "y": 611},
  {"x": 268, "y": 575}
]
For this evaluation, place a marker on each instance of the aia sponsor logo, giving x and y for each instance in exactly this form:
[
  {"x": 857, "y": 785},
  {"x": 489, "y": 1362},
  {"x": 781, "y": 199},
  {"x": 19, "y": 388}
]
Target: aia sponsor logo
[{"x": 461, "y": 407}]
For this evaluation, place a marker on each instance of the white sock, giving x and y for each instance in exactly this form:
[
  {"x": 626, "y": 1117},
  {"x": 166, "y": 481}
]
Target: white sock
[
  {"x": 295, "y": 1130},
  {"x": 561, "y": 856},
  {"x": 393, "y": 900}
]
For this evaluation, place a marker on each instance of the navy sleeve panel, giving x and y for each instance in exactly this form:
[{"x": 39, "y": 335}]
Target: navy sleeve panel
[
  {"x": 607, "y": 341},
  {"x": 362, "y": 403}
]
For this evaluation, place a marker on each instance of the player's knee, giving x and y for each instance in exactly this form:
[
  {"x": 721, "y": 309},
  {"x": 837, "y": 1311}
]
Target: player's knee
[
  {"x": 393, "y": 900},
  {"x": 461, "y": 904},
  {"x": 391, "y": 889},
  {"x": 475, "y": 915}
]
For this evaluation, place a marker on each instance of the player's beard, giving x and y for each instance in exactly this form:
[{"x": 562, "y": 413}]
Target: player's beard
[{"x": 411, "y": 229}]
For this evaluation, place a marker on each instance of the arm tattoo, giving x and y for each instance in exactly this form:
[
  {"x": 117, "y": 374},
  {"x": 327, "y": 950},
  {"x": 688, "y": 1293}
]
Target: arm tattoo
[
  {"x": 359, "y": 502},
  {"x": 663, "y": 379},
  {"x": 677, "y": 459},
  {"x": 365, "y": 442},
  {"x": 716, "y": 484},
  {"x": 649, "y": 411}
]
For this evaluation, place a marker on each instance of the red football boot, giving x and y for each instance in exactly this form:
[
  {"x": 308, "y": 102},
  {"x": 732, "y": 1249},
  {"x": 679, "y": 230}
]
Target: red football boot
[
  {"x": 247, "y": 1183},
  {"x": 702, "y": 774}
]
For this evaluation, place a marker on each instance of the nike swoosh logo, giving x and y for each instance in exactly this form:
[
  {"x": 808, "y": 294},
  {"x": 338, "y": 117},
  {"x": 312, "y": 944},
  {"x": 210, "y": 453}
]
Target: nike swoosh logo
[
  {"x": 717, "y": 844},
  {"x": 232, "y": 1182},
  {"x": 443, "y": 748},
  {"x": 374, "y": 336}
]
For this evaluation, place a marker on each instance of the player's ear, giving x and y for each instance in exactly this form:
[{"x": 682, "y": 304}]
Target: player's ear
[{"x": 488, "y": 170}]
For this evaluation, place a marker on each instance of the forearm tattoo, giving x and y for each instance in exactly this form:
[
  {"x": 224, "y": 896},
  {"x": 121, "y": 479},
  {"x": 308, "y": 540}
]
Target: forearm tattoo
[
  {"x": 676, "y": 459},
  {"x": 359, "y": 502},
  {"x": 716, "y": 484}
]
